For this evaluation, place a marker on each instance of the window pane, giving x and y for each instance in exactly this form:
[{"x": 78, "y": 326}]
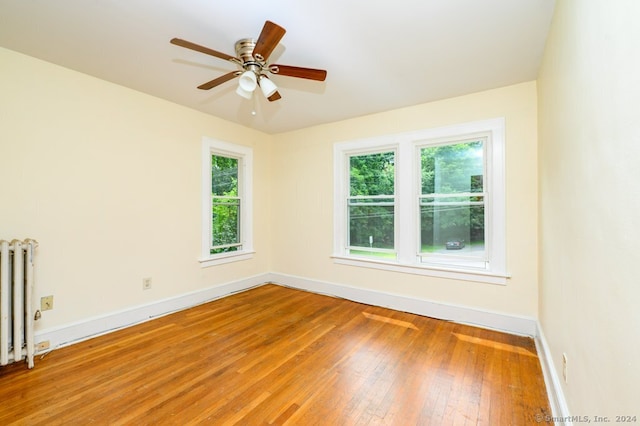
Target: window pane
[
  {"x": 372, "y": 174},
  {"x": 371, "y": 226},
  {"x": 225, "y": 216},
  {"x": 224, "y": 176},
  {"x": 452, "y": 226},
  {"x": 451, "y": 169}
]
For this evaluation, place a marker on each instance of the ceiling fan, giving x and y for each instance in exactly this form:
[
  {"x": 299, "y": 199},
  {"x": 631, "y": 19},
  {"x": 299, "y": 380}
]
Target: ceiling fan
[{"x": 251, "y": 57}]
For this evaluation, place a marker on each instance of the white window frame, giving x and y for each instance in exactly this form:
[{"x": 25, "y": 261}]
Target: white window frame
[
  {"x": 244, "y": 155},
  {"x": 407, "y": 220}
]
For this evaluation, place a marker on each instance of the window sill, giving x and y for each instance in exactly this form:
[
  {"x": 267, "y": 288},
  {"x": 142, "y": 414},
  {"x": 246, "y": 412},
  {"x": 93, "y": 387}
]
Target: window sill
[
  {"x": 456, "y": 274},
  {"x": 221, "y": 259}
]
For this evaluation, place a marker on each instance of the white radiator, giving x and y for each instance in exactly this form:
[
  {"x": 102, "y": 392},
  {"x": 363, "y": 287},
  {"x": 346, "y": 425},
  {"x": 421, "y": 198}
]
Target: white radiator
[{"x": 16, "y": 301}]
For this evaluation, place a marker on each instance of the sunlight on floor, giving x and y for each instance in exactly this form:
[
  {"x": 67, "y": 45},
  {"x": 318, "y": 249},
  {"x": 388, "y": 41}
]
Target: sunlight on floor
[
  {"x": 495, "y": 345},
  {"x": 388, "y": 320}
]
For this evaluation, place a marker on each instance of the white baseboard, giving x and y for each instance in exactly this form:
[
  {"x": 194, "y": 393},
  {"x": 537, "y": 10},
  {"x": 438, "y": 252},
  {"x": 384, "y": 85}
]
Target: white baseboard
[
  {"x": 460, "y": 314},
  {"x": 551, "y": 379},
  {"x": 92, "y": 327}
]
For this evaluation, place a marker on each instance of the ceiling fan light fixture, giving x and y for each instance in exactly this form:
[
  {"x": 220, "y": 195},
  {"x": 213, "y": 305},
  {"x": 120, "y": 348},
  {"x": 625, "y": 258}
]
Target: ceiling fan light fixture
[
  {"x": 248, "y": 81},
  {"x": 244, "y": 93},
  {"x": 267, "y": 86}
]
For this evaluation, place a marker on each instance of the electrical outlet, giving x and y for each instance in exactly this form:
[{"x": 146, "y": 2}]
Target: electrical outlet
[
  {"x": 146, "y": 283},
  {"x": 564, "y": 368},
  {"x": 46, "y": 303},
  {"x": 43, "y": 346}
]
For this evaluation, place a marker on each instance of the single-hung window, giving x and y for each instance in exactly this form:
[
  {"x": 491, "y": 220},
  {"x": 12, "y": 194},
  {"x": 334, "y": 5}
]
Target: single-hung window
[
  {"x": 225, "y": 205},
  {"x": 227, "y": 201},
  {"x": 452, "y": 203},
  {"x": 371, "y": 204}
]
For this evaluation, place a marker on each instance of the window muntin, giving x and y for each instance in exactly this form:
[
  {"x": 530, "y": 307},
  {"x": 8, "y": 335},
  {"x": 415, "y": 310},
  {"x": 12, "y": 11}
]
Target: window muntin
[
  {"x": 452, "y": 204},
  {"x": 225, "y": 205},
  {"x": 371, "y": 205}
]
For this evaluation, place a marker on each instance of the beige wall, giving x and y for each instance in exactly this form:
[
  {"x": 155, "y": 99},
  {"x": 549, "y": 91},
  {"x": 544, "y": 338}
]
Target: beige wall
[
  {"x": 303, "y": 214},
  {"x": 108, "y": 181},
  {"x": 589, "y": 92}
]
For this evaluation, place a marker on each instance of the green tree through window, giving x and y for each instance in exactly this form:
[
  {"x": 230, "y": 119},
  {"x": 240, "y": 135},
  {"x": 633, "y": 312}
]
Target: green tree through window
[
  {"x": 452, "y": 201},
  {"x": 371, "y": 205},
  {"x": 225, "y": 205}
]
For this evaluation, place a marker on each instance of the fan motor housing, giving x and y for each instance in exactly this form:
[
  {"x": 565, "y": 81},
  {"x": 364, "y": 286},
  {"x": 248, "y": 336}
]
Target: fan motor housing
[{"x": 244, "y": 49}]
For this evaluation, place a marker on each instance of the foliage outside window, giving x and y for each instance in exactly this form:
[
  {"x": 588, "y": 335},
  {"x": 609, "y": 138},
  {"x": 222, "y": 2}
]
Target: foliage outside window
[
  {"x": 225, "y": 205},
  {"x": 429, "y": 202},
  {"x": 227, "y": 201},
  {"x": 371, "y": 204},
  {"x": 452, "y": 204}
]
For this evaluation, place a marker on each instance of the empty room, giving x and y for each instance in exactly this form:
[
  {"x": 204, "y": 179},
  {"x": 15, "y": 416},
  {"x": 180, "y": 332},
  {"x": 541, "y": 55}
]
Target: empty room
[{"x": 422, "y": 213}]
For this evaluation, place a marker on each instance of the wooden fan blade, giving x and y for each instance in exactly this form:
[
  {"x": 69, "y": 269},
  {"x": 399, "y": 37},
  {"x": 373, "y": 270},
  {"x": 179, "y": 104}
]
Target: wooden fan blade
[
  {"x": 202, "y": 49},
  {"x": 274, "y": 97},
  {"x": 217, "y": 81},
  {"x": 308, "y": 73},
  {"x": 268, "y": 40}
]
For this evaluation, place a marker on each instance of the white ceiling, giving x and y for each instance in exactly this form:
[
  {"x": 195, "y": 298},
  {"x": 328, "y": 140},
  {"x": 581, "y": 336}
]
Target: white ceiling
[{"x": 379, "y": 54}]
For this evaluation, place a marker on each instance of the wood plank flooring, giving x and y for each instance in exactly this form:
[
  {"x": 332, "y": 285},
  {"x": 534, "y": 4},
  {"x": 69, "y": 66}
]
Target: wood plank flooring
[{"x": 279, "y": 356}]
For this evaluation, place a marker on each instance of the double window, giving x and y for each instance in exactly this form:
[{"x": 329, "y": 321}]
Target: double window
[
  {"x": 430, "y": 202},
  {"x": 226, "y": 195}
]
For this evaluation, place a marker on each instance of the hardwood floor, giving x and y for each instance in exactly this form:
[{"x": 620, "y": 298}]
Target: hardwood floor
[{"x": 274, "y": 355}]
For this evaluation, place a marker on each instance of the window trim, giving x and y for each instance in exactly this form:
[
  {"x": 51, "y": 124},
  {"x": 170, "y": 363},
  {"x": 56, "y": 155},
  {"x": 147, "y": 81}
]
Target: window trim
[
  {"x": 407, "y": 217},
  {"x": 244, "y": 155}
]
